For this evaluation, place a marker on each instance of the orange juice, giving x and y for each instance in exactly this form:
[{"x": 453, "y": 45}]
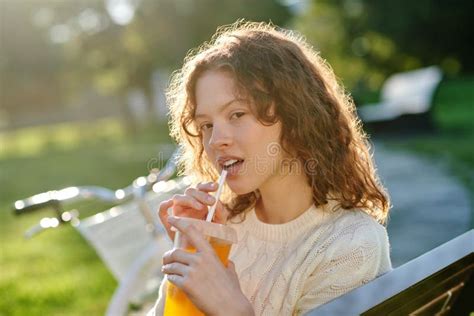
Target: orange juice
[{"x": 177, "y": 303}]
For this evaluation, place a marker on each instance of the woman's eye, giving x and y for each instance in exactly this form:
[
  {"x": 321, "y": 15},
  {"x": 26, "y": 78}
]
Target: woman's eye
[
  {"x": 205, "y": 126},
  {"x": 237, "y": 114}
]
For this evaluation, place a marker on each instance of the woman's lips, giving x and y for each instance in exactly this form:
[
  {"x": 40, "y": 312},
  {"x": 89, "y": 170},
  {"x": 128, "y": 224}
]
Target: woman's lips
[{"x": 235, "y": 168}]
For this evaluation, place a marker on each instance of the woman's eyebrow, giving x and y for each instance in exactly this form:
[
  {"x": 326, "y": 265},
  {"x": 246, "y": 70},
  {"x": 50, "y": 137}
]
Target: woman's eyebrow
[{"x": 220, "y": 109}]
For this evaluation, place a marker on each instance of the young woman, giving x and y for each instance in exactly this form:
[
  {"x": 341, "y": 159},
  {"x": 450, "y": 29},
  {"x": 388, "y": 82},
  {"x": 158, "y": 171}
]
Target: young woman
[{"x": 302, "y": 194}]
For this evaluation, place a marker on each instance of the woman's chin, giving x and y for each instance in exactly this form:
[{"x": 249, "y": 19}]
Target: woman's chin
[{"x": 240, "y": 189}]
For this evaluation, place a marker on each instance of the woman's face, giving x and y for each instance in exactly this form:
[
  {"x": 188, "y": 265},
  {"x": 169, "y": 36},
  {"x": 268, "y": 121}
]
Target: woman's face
[{"x": 232, "y": 136}]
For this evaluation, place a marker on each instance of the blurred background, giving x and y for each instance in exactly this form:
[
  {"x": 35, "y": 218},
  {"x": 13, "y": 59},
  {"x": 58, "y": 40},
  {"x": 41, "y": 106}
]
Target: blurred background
[{"x": 82, "y": 103}]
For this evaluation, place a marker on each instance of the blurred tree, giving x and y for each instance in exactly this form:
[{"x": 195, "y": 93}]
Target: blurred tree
[
  {"x": 28, "y": 63},
  {"x": 435, "y": 31},
  {"x": 366, "y": 40},
  {"x": 111, "y": 46},
  {"x": 160, "y": 35}
]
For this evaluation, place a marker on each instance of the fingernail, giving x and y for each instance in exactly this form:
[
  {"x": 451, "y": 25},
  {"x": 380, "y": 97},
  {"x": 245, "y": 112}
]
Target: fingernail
[
  {"x": 210, "y": 199},
  {"x": 197, "y": 205},
  {"x": 172, "y": 219}
]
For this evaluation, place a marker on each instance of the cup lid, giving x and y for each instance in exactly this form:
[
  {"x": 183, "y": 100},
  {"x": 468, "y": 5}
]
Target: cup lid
[{"x": 215, "y": 230}]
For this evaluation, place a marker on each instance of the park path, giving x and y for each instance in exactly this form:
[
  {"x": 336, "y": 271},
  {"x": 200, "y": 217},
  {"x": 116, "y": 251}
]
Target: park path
[{"x": 430, "y": 206}]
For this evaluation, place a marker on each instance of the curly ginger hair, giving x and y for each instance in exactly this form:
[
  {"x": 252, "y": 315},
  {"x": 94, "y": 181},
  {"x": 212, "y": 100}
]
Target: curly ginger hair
[{"x": 287, "y": 81}]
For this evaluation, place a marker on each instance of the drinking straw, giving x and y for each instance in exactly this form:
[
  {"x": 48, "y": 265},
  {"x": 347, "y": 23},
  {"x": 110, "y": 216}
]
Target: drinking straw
[
  {"x": 176, "y": 241},
  {"x": 211, "y": 212}
]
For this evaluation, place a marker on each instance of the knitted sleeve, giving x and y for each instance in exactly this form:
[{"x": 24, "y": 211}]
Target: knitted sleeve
[{"x": 354, "y": 257}]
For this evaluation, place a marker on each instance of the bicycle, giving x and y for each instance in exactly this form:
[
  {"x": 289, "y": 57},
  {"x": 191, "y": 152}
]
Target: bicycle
[{"x": 134, "y": 262}]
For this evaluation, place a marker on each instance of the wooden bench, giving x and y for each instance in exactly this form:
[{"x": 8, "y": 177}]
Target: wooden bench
[
  {"x": 439, "y": 282},
  {"x": 406, "y": 100}
]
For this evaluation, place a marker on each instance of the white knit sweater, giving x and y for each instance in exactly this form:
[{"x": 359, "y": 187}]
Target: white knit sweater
[{"x": 291, "y": 268}]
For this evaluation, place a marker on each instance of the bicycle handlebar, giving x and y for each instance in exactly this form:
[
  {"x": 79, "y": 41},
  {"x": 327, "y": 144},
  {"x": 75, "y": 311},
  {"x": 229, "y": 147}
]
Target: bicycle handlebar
[
  {"x": 71, "y": 194},
  {"x": 26, "y": 206}
]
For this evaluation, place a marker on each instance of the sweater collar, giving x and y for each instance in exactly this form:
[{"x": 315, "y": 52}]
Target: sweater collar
[{"x": 311, "y": 218}]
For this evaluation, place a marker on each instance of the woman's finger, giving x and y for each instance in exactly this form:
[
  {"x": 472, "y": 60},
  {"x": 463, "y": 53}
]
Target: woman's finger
[
  {"x": 222, "y": 213},
  {"x": 231, "y": 266},
  {"x": 183, "y": 200},
  {"x": 231, "y": 270},
  {"x": 163, "y": 215},
  {"x": 175, "y": 268},
  {"x": 195, "y": 237},
  {"x": 178, "y": 255},
  {"x": 177, "y": 280},
  {"x": 200, "y": 196},
  {"x": 207, "y": 187}
]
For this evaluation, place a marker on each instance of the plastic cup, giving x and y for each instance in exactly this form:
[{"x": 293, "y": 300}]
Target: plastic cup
[{"x": 221, "y": 238}]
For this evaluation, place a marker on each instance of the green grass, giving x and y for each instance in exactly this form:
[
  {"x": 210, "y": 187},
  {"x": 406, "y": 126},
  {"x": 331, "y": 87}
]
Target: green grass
[
  {"x": 57, "y": 273},
  {"x": 34, "y": 140},
  {"x": 454, "y": 139}
]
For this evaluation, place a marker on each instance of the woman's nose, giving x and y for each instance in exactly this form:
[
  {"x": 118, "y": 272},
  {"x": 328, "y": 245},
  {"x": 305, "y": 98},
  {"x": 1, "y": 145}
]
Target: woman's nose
[{"x": 220, "y": 137}]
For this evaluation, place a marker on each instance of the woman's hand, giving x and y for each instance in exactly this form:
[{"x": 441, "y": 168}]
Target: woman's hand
[
  {"x": 193, "y": 203},
  {"x": 213, "y": 288}
]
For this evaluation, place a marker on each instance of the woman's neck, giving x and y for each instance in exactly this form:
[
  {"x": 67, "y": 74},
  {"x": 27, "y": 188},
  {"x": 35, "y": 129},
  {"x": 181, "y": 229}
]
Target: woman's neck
[{"x": 283, "y": 199}]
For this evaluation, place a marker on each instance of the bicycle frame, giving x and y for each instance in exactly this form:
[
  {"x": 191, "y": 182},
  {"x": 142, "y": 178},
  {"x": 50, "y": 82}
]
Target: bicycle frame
[{"x": 140, "y": 274}]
